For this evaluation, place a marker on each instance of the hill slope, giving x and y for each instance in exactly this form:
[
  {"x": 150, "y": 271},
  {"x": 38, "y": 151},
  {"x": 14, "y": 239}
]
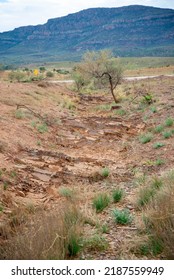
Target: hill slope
[{"x": 128, "y": 31}]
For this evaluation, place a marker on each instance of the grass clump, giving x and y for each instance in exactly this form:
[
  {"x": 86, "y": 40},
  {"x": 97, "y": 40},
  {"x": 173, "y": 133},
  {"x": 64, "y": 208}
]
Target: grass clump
[
  {"x": 19, "y": 114},
  {"x": 122, "y": 217},
  {"x": 158, "y": 145},
  {"x": 159, "y": 162},
  {"x": 117, "y": 195},
  {"x": 167, "y": 134},
  {"x": 1, "y": 208},
  {"x": 104, "y": 228},
  {"x": 148, "y": 191},
  {"x": 153, "y": 109},
  {"x": 66, "y": 192},
  {"x": 159, "y": 218},
  {"x": 159, "y": 128},
  {"x": 42, "y": 128},
  {"x": 105, "y": 172},
  {"x": 96, "y": 243},
  {"x": 169, "y": 122},
  {"x": 54, "y": 235},
  {"x": 100, "y": 202},
  {"x": 146, "y": 138}
]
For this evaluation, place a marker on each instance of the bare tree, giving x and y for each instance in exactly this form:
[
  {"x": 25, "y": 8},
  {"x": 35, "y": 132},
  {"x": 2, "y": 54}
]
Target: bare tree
[{"x": 103, "y": 68}]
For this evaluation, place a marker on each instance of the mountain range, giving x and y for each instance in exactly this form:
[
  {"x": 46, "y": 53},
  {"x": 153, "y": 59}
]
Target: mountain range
[{"x": 128, "y": 31}]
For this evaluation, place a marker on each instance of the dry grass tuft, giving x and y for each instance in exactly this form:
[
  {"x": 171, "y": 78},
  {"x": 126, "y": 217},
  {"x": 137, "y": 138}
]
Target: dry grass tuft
[
  {"x": 53, "y": 235},
  {"x": 159, "y": 216}
]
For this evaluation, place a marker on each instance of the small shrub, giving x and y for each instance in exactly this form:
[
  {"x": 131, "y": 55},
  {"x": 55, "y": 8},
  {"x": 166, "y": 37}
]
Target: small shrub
[
  {"x": 101, "y": 202},
  {"x": 117, "y": 195},
  {"x": 42, "y": 128},
  {"x": 145, "y": 195},
  {"x": 105, "y": 172},
  {"x": 159, "y": 219},
  {"x": 122, "y": 217},
  {"x": 105, "y": 228},
  {"x": 144, "y": 249},
  {"x": 66, "y": 192},
  {"x": 169, "y": 122},
  {"x": 159, "y": 162},
  {"x": 17, "y": 76},
  {"x": 156, "y": 183},
  {"x": 49, "y": 74},
  {"x": 148, "y": 191},
  {"x": 47, "y": 236},
  {"x": 148, "y": 98},
  {"x": 19, "y": 114},
  {"x": 153, "y": 109},
  {"x": 146, "y": 138},
  {"x": 74, "y": 245},
  {"x": 96, "y": 243},
  {"x": 167, "y": 134},
  {"x": 159, "y": 128},
  {"x": 1, "y": 208},
  {"x": 120, "y": 112},
  {"x": 158, "y": 145},
  {"x": 5, "y": 185}
]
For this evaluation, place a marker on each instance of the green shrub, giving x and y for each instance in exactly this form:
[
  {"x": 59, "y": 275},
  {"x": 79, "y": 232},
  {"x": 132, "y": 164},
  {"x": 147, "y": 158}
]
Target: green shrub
[
  {"x": 74, "y": 245},
  {"x": 148, "y": 98},
  {"x": 159, "y": 162},
  {"x": 42, "y": 128},
  {"x": 96, "y": 243},
  {"x": 100, "y": 202},
  {"x": 49, "y": 74},
  {"x": 66, "y": 192},
  {"x": 19, "y": 114},
  {"x": 117, "y": 195},
  {"x": 153, "y": 109},
  {"x": 169, "y": 122},
  {"x": 17, "y": 76},
  {"x": 105, "y": 172},
  {"x": 122, "y": 217},
  {"x": 159, "y": 128},
  {"x": 158, "y": 145},
  {"x": 167, "y": 134},
  {"x": 146, "y": 138},
  {"x": 105, "y": 228}
]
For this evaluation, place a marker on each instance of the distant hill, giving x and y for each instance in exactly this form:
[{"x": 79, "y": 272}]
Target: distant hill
[{"x": 127, "y": 31}]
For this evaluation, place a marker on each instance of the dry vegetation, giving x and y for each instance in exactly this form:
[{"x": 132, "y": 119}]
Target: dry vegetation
[{"x": 80, "y": 178}]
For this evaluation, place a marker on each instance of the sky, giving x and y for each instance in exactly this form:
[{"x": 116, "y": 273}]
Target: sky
[{"x": 15, "y": 13}]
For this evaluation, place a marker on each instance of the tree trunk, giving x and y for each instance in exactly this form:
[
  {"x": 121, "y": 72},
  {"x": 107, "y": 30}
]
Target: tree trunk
[{"x": 112, "y": 89}]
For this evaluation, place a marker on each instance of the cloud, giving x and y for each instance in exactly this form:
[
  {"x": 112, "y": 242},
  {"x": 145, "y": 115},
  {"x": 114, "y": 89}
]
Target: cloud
[{"x": 15, "y": 13}]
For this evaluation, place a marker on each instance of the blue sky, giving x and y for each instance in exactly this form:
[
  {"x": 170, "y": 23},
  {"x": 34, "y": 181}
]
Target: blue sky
[{"x": 15, "y": 13}]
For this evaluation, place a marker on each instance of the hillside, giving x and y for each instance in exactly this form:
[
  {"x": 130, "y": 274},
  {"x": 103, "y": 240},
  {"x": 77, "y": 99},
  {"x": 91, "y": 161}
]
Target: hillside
[
  {"x": 128, "y": 31},
  {"x": 61, "y": 152}
]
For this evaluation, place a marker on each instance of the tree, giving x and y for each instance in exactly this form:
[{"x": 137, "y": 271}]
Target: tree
[{"x": 103, "y": 68}]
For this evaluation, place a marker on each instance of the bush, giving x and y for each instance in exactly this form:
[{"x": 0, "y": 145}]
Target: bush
[
  {"x": 148, "y": 191},
  {"x": 158, "y": 145},
  {"x": 159, "y": 128},
  {"x": 96, "y": 243},
  {"x": 52, "y": 235},
  {"x": 117, "y": 195},
  {"x": 146, "y": 138},
  {"x": 49, "y": 74},
  {"x": 159, "y": 218},
  {"x": 167, "y": 134},
  {"x": 105, "y": 172},
  {"x": 17, "y": 76},
  {"x": 169, "y": 122},
  {"x": 122, "y": 217},
  {"x": 101, "y": 202}
]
